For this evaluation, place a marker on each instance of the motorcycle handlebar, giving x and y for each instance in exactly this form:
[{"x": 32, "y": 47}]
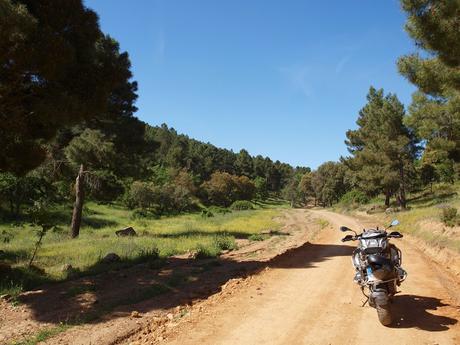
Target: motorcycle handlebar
[{"x": 393, "y": 234}]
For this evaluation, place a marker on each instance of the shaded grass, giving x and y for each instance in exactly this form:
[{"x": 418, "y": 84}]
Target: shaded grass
[{"x": 80, "y": 289}]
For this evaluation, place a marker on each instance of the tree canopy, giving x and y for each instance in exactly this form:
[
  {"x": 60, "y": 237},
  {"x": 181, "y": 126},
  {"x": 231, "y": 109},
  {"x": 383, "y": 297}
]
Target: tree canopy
[
  {"x": 383, "y": 149},
  {"x": 434, "y": 26},
  {"x": 56, "y": 69}
]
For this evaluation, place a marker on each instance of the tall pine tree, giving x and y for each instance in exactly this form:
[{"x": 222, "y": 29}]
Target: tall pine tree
[{"x": 383, "y": 149}]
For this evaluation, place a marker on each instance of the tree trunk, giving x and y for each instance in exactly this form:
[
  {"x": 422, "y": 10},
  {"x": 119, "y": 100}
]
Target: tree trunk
[
  {"x": 78, "y": 206},
  {"x": 12, "y": 207},
  {"x": 387, "y": 198},
  {"x": 402, "y": 187}
]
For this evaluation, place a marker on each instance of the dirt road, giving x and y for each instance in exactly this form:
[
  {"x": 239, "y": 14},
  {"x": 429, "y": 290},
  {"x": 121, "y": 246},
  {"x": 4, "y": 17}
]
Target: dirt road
[{"x": 308, "y": 297}]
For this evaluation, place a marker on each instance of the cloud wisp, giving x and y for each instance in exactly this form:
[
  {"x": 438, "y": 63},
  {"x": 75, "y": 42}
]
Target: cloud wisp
[
  {"x": 160, "y": 46},
  {"x": 341, "y": 64},
  {"x": 298, "y": 77}
]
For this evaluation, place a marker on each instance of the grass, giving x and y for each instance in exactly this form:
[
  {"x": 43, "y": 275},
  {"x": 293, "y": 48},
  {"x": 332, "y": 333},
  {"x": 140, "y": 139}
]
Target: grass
[
  {"x": 258, "y": 237},
  {"x": 43, "y": 335},
  {"x": 323, "y": 223},
  {"x": 157, "y": 239},
  {"x": 426, "y": 208},
  {"x": 424, "y": 215},
  {"x": 79, "y": 289}
]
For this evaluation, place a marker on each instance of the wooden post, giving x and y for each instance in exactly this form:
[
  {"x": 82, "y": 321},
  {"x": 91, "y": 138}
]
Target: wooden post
[{"x": 78, "y": 206}]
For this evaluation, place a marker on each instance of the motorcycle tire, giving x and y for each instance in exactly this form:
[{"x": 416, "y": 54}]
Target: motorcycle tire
[{"x": 384, "y": 314}]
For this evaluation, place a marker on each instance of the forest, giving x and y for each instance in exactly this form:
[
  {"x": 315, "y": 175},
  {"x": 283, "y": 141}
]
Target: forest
[{"x": 83, "y": 109}]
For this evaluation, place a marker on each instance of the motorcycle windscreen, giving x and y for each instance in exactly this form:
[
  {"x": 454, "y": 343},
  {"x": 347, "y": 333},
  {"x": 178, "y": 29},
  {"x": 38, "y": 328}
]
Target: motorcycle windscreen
[{"x": 373, "y": 245}]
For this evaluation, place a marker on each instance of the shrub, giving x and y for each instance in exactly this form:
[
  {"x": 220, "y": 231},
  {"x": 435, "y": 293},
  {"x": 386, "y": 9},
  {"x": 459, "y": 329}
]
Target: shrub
[
  {"x": 140, "y": 194},
  {"x": 354, "y": 197},
  {"x": 219, "y": 210},
  {"x": 449, "y": 216},
  {"x": 240, "y": 205},
  {"x": 223, "y": 188},
  {"x": 225, "y": 242},
  {"x": 165, "y": 199}
]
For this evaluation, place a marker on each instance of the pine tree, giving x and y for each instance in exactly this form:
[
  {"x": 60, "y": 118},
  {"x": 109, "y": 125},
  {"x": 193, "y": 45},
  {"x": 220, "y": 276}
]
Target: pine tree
[{"x": 383, "y": 149}]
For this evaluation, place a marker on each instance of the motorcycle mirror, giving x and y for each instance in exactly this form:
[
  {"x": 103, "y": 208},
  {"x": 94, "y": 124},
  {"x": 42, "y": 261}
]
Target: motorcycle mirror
[
  {"x": 347, "y": 238},
  {"x": 394, "y": 223},
  {"x": 344, "y": 229},
  {"x": 395, "y": 234}
]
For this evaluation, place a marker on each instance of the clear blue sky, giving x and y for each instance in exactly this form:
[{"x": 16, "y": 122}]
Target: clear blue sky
[{"x": 284, "y": 79}]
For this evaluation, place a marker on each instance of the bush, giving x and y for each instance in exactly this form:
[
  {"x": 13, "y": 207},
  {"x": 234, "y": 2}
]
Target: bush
[
  {"x": 223, "y": 188},
  {"x": 449, "y": 216},
  {"x": 219, "y": 210},
  {"x": 140, "y": 194},
  {"x": 165, "y": 199},
  {"x": 225, "y": 242},
  {"x": 354, "y": 197},
  {"x": 240, "y": 205}
]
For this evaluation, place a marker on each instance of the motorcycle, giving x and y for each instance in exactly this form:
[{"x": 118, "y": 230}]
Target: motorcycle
[{"x": 378, "y": 267}]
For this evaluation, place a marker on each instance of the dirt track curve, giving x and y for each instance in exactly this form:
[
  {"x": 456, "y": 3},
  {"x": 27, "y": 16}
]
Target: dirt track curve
[{"x": 309, "y": 298}]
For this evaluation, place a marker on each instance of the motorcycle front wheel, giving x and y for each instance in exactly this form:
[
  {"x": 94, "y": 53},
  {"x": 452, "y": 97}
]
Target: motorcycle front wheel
[{"x": 384, "y": 314}]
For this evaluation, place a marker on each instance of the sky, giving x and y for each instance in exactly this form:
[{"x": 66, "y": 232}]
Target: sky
[{"x": 284, "y": 79}]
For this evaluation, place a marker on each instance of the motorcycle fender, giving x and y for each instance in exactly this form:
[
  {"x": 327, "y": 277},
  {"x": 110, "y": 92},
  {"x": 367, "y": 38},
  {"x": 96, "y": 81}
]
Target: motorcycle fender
[{"x": 380, "y": 297}]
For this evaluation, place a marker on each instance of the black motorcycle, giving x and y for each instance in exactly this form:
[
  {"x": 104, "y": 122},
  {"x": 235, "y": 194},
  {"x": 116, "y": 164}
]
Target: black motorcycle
[{"x": 378, "y": 267}]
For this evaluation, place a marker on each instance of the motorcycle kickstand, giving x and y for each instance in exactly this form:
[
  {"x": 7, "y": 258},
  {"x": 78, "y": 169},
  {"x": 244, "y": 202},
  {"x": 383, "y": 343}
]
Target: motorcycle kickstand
[{"x": 367, "y": 297}]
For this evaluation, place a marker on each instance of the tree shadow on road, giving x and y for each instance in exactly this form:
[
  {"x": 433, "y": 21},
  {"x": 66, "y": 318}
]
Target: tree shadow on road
[
  {"x": 145, "y": 288},
  {"x": 411, "y": 311}
]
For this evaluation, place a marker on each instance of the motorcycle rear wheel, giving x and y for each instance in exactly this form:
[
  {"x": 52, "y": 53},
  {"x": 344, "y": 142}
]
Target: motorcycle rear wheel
[{"x": 384, "y": 314}]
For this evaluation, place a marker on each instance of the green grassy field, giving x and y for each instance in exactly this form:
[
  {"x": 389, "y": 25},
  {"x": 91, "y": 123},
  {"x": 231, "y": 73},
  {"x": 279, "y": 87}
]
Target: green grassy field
[{"x": 156, "y": 237}]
